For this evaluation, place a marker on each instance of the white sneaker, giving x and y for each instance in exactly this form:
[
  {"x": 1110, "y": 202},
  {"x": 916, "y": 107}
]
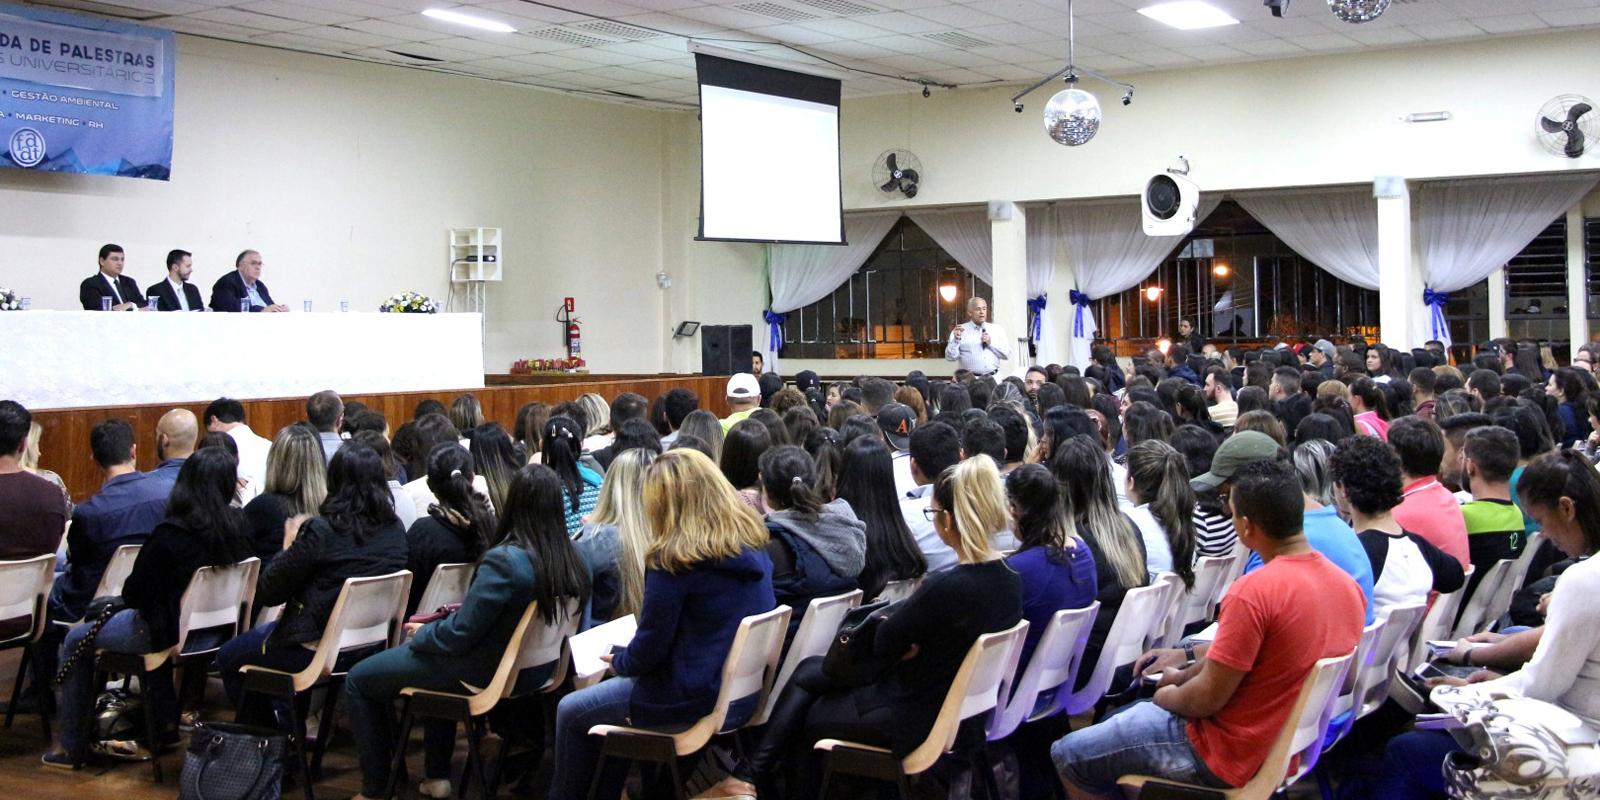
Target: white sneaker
[{"x": 437, "y": 789}]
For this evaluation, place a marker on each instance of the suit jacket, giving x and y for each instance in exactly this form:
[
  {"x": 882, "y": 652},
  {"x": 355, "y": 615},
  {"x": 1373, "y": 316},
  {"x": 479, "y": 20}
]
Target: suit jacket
[
  {"x": 229, "y": 290},
  {"x": 167, "y": 300},
  {"x": 95, "y": 287}
]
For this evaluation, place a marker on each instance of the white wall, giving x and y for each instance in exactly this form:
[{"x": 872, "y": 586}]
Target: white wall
[{"x": 346, "y": 177}]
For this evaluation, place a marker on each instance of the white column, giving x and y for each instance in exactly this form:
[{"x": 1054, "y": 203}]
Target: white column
[
  {"x": 1577, "y": 281},
  {"x": 1498, "y": 325},
  {"x": 1061, "y": 310},
  {"x": 1010, "y": 307},
  {"x": 1399, "y": 289}
]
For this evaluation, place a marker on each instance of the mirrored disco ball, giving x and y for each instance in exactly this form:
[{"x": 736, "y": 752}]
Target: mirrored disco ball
[
  {"x": 1358, "y": 11},
  {"x": 1072, "y": 117}
]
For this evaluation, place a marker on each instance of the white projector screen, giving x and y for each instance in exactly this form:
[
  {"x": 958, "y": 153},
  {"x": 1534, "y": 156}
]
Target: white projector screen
[{"x": 769, "y": 154}]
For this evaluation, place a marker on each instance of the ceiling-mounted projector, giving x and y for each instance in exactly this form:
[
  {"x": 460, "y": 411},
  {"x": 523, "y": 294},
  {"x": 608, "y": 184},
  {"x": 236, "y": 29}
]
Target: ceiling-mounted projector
[{"x": 1170, "y": 204}]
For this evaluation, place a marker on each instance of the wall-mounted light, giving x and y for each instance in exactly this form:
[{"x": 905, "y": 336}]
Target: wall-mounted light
[
  {"x": 663, "y": 280},
  {"x": 1428, "y": 116},
  {"x": 1220, "y": 270},
  {"x": 1153, "y": 293},
  {"x": 947, "y": 292}
]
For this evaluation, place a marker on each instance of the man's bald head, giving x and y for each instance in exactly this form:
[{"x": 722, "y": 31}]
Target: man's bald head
[{"x": 176, "y": 434}]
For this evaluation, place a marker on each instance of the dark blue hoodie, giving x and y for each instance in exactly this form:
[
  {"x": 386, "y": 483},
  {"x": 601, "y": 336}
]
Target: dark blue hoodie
[{"x": 686, "y": 627}]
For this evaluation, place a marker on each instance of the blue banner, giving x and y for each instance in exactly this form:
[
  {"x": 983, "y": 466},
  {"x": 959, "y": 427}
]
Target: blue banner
[{"x": 79, "y": 94}]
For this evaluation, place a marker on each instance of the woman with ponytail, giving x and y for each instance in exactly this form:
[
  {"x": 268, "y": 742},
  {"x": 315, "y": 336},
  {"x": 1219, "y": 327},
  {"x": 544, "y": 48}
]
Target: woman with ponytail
[
  {"x": 561, "y": 443},
  {"x": 1163, "y": 508},
  {"x": 1057, "y": 568},
  {"x": 817, "y": 549},
  {"x": 1371, "y": 408},
  {"x": 924, "y": 639},
  {"x": 456, "y": 527}
]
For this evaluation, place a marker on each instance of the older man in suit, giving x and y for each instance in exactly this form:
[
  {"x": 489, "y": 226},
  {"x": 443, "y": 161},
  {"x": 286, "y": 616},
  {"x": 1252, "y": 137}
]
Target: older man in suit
[
  {"x": 232, "y": 290},
  {"x": 176, "y": 293},
  {"x": 110, "y": 282}
]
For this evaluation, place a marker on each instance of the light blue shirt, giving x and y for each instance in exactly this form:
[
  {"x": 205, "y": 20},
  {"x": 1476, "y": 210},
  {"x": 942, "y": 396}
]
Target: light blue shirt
[
  {"x": 938, "y": 554},
  {"x": 966, "y": 348},
  {"x": 1335, "y": 540},
  {"x": 255, "y": 296}
]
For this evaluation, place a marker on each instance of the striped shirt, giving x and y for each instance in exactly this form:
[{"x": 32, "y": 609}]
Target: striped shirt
[{"x": 1213, "y": 533}]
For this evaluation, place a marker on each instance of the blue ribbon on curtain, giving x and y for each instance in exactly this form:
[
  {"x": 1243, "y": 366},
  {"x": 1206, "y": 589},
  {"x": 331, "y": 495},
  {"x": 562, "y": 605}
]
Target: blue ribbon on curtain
[
  {"x": 1036, "y": 309},
  {"x": 1436, "y": 302},
  {"x": 1082, "y": 301},
  {"x": 774, "y": 329}
]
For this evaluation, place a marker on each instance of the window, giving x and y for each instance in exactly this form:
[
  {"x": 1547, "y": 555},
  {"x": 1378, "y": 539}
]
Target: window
[
  {"x": 1235, "y": 280},
  {"x": 1591, "y": 251},
  {"x": 891, "y": 307},
  {"x": 1536, "y": 295}
]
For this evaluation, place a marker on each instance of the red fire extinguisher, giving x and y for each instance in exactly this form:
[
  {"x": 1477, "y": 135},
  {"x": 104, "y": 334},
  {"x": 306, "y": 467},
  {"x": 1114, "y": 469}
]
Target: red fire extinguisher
[{"x": 573, "y": 333}]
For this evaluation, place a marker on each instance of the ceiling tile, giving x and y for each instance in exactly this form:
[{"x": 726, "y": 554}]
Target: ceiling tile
[
  {"x": 248, "y": 19},
  {"x": 296, "y": 11},
  {"x": 1325, "y": 41},
  {"x": 958, "y": 16},
  {"x": 1510, "y": 23},
  {"x": 1575, "y": 16},
  {"x": 1455, "y": 29},
  {"x": 1015, "y": 10}
]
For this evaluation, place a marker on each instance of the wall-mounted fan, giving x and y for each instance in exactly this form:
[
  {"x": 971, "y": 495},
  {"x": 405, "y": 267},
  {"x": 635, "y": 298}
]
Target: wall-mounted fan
[
  {"x": 1568, "y": 125},
  {"x": 897, "y": 171}
]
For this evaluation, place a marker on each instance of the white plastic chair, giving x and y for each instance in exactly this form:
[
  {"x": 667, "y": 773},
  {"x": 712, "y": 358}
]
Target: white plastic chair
[
  {"x": 895, "y": 591},
  {"x": 1241, "y": 555},
  {"x": 533, "y": 644},
  {"x": 1510, "y": 583},
  {"x": 1196, "y": 605},
  {"x": 117, "y": 570},
  {"x": 1300, "y": 736},
  {"x": 975, "y": 690},
  {"x": 447, "y": 585},
  {"x": 813, "y": 638},
  {"x": 1124, "y": 643},
  {"x": 24, "y": 592},
  {"x": 748, "y": 671},
  {"x": 1437, "y": 623},
  {"x": 1392, "y": 648},
  {"x": 1475, "y": 615},
  {"x": 1050, "y": 672},
  {"x": 368, "y": 614},
  {"x": 1171, "y": 601},
  {"x": 1347, "y": 701}
]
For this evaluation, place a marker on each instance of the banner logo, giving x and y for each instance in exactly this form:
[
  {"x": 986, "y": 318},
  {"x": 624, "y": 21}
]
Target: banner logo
[{"x": 27, "y": 147}]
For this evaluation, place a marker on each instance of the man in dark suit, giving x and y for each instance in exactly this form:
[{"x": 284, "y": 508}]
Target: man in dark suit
[
  {"x": 244, "y": 283},
  {"x": 110, "y": 282},
  {"x": 176, "y": 293}
]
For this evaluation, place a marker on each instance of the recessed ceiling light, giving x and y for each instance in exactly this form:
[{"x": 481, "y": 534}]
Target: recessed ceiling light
[
  {"x": 469, "y": 20},
  {"x": 1188, "y": 15}
]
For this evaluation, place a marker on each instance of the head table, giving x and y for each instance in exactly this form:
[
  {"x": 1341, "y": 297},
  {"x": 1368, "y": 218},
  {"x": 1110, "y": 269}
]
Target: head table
[{"x": 73, "y": 359}]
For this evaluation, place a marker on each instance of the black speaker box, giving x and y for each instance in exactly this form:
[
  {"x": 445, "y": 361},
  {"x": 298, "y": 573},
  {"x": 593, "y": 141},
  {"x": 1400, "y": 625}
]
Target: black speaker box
[{"x": 725, "y": 349}]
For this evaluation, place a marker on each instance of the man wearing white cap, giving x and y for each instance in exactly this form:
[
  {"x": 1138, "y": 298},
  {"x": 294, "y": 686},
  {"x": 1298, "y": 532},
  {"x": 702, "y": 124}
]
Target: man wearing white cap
[{"x": 744, "y": 396}]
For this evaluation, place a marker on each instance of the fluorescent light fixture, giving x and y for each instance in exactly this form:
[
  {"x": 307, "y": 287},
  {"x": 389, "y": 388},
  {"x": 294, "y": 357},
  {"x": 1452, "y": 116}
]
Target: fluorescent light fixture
[
  {"x": 469, "y": 20},
  {"x": 1188, "y": 15}
]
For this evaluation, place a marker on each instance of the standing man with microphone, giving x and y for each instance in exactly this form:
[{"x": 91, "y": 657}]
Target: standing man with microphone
[{"x": 978, "y": 344}]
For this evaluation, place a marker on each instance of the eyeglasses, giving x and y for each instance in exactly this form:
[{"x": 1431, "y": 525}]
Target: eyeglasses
[
  {"x": 930, "y": 514},
  {"x": 1226, "y": 500}
]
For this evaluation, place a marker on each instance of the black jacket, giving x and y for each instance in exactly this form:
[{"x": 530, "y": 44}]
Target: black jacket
[
  {"x": 431, "y": 542},
  {"x": 161, "y": 574},
  {"x": 229, "y": 290},
  {"x": 308, "y": 577},
  {"x": 167, "y": 300},
  {"x": 95, "y": 287}
]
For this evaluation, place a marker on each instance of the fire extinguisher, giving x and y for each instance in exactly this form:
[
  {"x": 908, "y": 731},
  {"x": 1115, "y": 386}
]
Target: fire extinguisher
[{"x": 572, "y": 332}]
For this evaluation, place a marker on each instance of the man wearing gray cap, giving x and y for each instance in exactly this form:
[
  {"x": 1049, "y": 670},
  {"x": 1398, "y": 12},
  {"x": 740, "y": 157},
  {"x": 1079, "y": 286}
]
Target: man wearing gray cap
[
  {"x": 1321, "y": 357},
  {"x": 1326, "y": 533}
]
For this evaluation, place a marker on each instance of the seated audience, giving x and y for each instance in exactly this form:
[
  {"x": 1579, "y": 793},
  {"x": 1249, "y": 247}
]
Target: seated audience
[
  {"x": 741, "y": 460},
  {"x": 1495, "y": 526},
  {"x": 495, "y": 458},
  {"x": 678, "y": 405},
  {"x": 1056, "y": 567},
  {"x": 706, "y": 569},
  {"x": 226, "y": 415},
  {"x": 404, "y": 508},
  {"x": 562, "y": 444},
  {"x": 1162, "y": 507},
  {"x": 1371, "y": 408},
  {"x": 35, "y": 508},
  {"x": 898, "y": 422},
  {"x": 355, "y": 535},
  {"x": 177, "y": 433},
  {"x": 935, "y": 447},
  {"x": 866, "y": 484},
  {"x": 1406, "y": 568},
  {"x": 535, "y": 562},
  {"x": 1427, "y": 509},
  {"x": 705, "y": 426},
  {"x": 199, "y": 529},
  {"x": 297, "y": 483},
  {"x": 744, "y": 397},
  {"x": 325, "y": 412},
  {"x": 466, "y": 414},
  {"x": 1569, "y": 390},
  {"x": 530, "y": 420},
  {"x": 458, "y": 527},
  {"x": 627, "y": 406},
  {"x": 817, "y": 548},
  {"x": 30, "y": 462},
  {"x": 614, "y": 540},
  {"x": 1213, "y": 526},
  {"x": 1211, "y": 719}
]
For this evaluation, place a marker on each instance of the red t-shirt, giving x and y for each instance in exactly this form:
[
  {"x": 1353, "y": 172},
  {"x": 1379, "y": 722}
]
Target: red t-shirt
[
  {"x": 1275, "y": 624},
  {"x": 1429, "y": 510}
]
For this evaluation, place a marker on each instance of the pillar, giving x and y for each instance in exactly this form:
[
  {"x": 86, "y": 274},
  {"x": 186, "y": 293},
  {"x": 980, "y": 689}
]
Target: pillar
[
  {"x": 1399, "y": 290},
  {"x": 1008, "y": 229},
  {"x": 1577, "y": 281},
  {"x": 1498, "y": 326}
]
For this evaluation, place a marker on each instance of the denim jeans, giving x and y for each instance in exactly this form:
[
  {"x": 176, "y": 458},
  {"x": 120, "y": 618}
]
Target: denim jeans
[
  {"x": 126, "y": 632},
  {"x": 251, "y": 648},
  {"x": 371, "y": 689},
  {"x": 577, "y": 754},
  {"x": 1144, "y": 739},
  {"x": 1413, "y": 766}
]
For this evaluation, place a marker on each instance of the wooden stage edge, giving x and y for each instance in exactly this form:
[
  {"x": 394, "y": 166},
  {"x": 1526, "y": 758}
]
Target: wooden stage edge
[{"x": 64, "y": 445}]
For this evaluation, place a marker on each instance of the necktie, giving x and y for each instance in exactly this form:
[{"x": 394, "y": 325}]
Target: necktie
[
  {"x": 114, "y": 293},
  {"x": 183, "y": 299}
]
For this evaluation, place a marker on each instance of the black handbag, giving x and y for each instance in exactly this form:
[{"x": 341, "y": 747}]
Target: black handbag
[
  {"x": 233, "y": 762},
  {"x": 99, "y": 612},
  {"x": 850, "y": 660}
]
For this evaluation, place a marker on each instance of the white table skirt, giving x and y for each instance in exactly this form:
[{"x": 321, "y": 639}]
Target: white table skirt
[{"x": 68, "y": 359}]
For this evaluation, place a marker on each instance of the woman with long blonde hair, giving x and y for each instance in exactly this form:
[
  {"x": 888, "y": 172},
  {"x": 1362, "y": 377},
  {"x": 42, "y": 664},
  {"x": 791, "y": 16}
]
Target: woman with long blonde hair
[
  {"x": 616, "y": 537},
  {"x": 706, "y": 569},
  {"x": 920, "y": 646},
  {"x": 297, "y": 483}
]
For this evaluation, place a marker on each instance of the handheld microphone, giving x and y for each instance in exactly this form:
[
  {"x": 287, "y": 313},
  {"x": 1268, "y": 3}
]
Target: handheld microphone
[{"x": 982, "y": 329}]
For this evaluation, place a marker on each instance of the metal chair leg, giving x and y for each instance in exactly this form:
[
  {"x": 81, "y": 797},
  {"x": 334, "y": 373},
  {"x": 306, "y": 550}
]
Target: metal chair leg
[
  {"x": 329, "y": 721},
  {"x": 16, "y": 686},
  {"x": 827, "y": 777},
  {"x": 302, "y": 758},
  {"x": 397, "y": 768},
  {"x": 152, "y": 726},
  {"x": 599, "y": 769}
]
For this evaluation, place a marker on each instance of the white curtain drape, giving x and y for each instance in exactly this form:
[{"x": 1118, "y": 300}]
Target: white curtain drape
[
  {"x": 801, "y": 274},
  {"x": 965, "y": 234},
  {"x": 1041, "y": 271},
  {"x": 1336, "y": 229},
  {"x": 1468, "y": 229},
  {"x": 1109, "y": 252}
]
